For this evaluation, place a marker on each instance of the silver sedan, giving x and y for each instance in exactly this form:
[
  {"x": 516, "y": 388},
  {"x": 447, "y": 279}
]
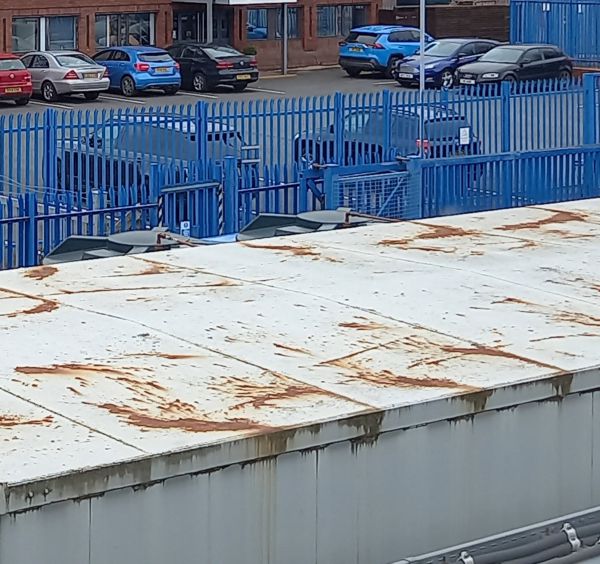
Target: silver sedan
[{"x": 63, "y": 73}]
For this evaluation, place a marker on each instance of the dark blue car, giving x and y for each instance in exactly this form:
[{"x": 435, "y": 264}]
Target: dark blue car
[{"x": 442, "y": 58}]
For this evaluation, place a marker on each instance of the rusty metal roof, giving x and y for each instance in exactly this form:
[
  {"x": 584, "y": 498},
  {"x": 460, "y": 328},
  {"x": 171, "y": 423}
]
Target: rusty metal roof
[{"x": 107, "y": 361}]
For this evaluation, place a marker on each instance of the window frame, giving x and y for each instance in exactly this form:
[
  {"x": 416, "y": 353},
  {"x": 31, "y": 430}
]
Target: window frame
[{"x": 119, "y": 19}]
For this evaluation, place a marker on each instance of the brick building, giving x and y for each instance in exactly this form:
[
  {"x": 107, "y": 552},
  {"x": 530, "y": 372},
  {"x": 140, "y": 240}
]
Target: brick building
[{"x": 315, "y": 26}]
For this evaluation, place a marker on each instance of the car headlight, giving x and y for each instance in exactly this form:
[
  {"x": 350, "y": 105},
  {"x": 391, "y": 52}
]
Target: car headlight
[
  {"x": 490, "y": 75},
  {"x": 430, "y": 66}
]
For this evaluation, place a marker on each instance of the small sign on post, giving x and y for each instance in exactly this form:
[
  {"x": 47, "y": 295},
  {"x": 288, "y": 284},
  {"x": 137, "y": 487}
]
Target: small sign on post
[
  {"x": 465, "y": 135},
  {"x": 185, "y": 229}
]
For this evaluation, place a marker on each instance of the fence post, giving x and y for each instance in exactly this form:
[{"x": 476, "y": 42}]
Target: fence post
[
  {"x": 387, "y": 124},
  {"x": 31, "y": 242},
  {"x": 231, "y": 196},
  {"x": 505, "y": 116},
  {"x": 339, "y": 149},
  {"x": 201, "y": 139},
  {"x": 590, "y": 112},
  {"x": 330, "y": 173},
  {"x": 50, "y": 122},
  {"x": 416, "y": 194},
  {"x": 156, "y": 214}
]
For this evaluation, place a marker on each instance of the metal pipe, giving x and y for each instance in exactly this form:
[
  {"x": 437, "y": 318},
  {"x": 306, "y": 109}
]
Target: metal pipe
[
  {"x": 422, "y": 5},
  {"x": 284, "y": 42}
]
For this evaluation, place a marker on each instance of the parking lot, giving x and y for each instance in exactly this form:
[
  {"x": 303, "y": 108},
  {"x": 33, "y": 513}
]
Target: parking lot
[{"x": 271, "y": 86}]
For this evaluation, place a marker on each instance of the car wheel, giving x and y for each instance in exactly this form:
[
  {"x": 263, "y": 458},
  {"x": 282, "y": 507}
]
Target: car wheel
[
  {"x": 354, "y": 73},
  {"x": 447, "y": 79},
  {"x": 128, "y": 86},
  {"x": 240, "y": 87},
  {"x": 199, "y": 82},
  {"x": 49, "y": 93},
  {"x": 565, "y": 75},
  {"x": 391, "y": 66},
  {"x": 91, "y": 95},
  {"x": 171, "y": 90},
  {"x": 22, "y": 101}
]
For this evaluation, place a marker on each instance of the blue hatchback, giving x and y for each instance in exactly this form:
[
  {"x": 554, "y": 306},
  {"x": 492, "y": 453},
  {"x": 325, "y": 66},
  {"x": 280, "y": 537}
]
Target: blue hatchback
[
  {"x": 377, "y": 48},
  {"x": 132, "y": 69},
  {"x": 442, "y": 58}
]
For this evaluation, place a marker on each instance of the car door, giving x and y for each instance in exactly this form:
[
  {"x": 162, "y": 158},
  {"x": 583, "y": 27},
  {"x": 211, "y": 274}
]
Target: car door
[
  {"x": 467, "y": 54},
  {"x": 552, "y": 62},
  {"x": 404, "y": 43},
  {"x": 186, "y": 59},
  {"x": 38, "y": 68},
  {"x": 120, "y": 62},
  {"x": 532, "y": 65},
  {"x": 103, "y": 59}
]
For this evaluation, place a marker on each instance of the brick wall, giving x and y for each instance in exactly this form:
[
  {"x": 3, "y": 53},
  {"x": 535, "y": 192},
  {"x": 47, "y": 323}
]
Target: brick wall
[{"x": 489, "y": 22}]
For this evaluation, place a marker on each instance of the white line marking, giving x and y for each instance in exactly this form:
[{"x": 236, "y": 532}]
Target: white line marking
[
  {"x": 198, "y": 95},
  {"x": 264, "y": 90},
  {"x": 384, "y": 83},
  {"x": 123, "y": 99},
  {"x": 48, "y": 105}
]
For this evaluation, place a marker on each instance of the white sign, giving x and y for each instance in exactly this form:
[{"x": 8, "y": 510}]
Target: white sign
[
  {"x": 465, "y": 135},
  {"x": 185, "y": 228}
]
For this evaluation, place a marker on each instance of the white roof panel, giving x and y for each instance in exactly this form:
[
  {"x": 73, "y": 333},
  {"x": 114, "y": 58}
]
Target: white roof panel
[{"x": 107, "y": 361}]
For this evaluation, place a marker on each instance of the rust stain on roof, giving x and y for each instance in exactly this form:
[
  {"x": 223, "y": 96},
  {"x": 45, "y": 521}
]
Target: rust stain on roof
[
  {"x": 524, "y": 245},
  {"x": 74, "y": 390},
  {"x": 41, "y": 272},
  {"x": 513, "y": 301},
  {"x": 291, "y": 349},
  {"x": 71, "y": 369},
  {"x": 363, "y": 325},
  {"x": 300, "y": 250},
  {"x": 15, "y": 421},
  {"x": 45, "y": 306},
  {"x": 577, "y": 318},
  {"x": 192, "y": 424},
  {"x": 434, "y": 232},
  {"x": 554, "y": 218},
  {"x": 168, "y": 356}
]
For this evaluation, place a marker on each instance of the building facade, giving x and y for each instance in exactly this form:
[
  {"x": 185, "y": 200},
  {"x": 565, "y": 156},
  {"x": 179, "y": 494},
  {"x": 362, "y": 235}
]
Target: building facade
[{"x": 314, "y": 26}]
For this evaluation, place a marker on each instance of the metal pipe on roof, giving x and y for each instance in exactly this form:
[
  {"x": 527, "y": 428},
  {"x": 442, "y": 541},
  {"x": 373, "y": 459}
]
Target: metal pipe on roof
[{"x": 579, "y": 556}]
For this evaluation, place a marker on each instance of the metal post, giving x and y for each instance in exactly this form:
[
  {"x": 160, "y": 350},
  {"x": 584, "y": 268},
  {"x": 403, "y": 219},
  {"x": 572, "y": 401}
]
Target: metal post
[
  {"x": 284, "y": 39},
  {"x": 421, "y": 74},
  {"x": 209, "y": 21}
]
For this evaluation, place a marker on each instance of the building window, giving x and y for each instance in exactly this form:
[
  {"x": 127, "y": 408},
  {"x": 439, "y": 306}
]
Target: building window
[
  {"x": 61, "y": 33},
  {"x": 293, "y": 23},
  {"x": 257, "y": 26},
  {"x": 52, "y": 33},
  {"x": 113, "y": 30},
  {"x": 337, "y": 21}
]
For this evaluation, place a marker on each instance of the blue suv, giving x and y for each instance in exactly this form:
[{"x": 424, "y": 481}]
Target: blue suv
[
  {"x": 378, "y": 48},
  {"x": 132, "y": 69}
]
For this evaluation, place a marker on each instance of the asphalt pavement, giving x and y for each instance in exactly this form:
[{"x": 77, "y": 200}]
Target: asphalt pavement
[{"x": 320, "y": 82}]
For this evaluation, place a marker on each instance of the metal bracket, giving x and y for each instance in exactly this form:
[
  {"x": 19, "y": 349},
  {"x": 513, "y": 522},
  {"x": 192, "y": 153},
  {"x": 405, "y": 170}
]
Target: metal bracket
[
  {"x": 572, "y": 537},
  {"x": 466, "y": 558}
]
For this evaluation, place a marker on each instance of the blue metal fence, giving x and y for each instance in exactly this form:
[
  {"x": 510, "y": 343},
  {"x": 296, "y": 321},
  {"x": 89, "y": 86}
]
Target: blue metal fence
[{"x": 571, "y": 25}]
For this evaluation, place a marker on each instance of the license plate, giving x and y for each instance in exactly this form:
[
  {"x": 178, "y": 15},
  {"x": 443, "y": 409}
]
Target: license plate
[
  {"x": 90, "y": 75},
  {"x": 405, "y": 75},
  {"x": 162, "y": 69},
  {"x": 356, "y": 49},
  {"x": 243, "y": 77},
  {"x": 467, "y": 81},
  {"x": 12, "y": 90}
]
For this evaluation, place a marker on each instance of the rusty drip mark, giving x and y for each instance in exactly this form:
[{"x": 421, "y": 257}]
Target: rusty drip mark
[
  {"x": 45, "y": 306},
  {"x": 68, "y": 369},
  {"x": 513, "y": 301},
  {"x": 578, "y": 318},
  {"x": 554, "y": 218},
  {"x": 363, "y": 326},
  {"x": 434, "y": 232},
  {"x": 300, "y": 250},
  {"x": 167, "y": 356},
  {"x": 525, "y": 245},
  {"x": 497, "y": 352},
  {"x": 434, "y": 249},
  {"x": 197, "y": 424},
  {"x": 178, "y": 407},
  {"x": 290, "y": 349},
  {"x": 14, "y": 421},
  {"x": 41, "y": 272},
  {"x": 74, "y": 390},
  {"x": 141, "y": 383}
]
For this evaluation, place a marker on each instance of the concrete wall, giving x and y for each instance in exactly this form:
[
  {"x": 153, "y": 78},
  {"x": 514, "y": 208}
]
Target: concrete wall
[{"x": 372, "y": 501}]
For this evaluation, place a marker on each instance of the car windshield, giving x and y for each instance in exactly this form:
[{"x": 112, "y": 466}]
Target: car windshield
[
  {"x": 74, "y": 61},
  {"x": 11, "y": 65},
  {"x": 221, "y": 52},
  {"x": 364, "y": 38},
  {"x": 157, "y": 57},
  {"x": 442, "y": 48},
  {"x": 502, "y": 55}
]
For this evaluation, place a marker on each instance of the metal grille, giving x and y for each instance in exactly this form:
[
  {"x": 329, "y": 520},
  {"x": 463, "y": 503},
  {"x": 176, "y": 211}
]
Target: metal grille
[{"x": 388, "y": 194}]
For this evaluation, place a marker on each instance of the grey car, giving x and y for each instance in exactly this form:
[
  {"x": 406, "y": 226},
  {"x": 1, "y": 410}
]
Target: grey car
[{"x": 63, "y": 73}]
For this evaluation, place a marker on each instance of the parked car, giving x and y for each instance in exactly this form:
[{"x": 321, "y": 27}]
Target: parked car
[
  {"x": 445, "y": 134},
  {"x": 515, "y": 63},
  {"x": 377, "y": 48},
  {"x": 15, "y": 80},
  {"x": 442, "y": 58},
  {"x": 205, "y": 66},
  {"x": 121, "y": 152},
  {"x": 133, "y": 69},
  {"x": 64, "y": 73}
]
